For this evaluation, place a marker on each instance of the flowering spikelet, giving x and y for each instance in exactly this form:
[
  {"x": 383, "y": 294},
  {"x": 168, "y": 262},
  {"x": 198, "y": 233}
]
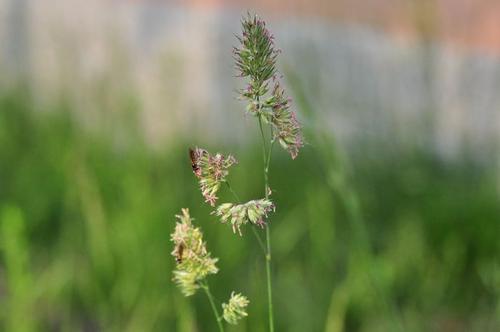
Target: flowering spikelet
[
  {"x": 286, "y": 128},
  {"x": 211, "y": 171},
  {"x": 256, "y": 60},
  {"x": 240, "y": 214},
  {"x": 193, "y": 260},
  {"x": 235, "y": 309}
]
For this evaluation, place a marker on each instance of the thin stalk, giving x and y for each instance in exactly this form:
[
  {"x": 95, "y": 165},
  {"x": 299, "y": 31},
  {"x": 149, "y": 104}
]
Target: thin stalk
[
  {"x": 259, "y": 240},
  {"x": 264, "y": 156},
  {"x": 269, "y": 284},
  {"x": 266, "y": 169},
  {"x": 218, "y": 318},
  {"x": 267, "y": 158},
  {"x": 233, "y": 192}
]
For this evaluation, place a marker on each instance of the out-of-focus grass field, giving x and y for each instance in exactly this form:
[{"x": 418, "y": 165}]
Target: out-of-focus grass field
[{"x": 369, "y": 240}]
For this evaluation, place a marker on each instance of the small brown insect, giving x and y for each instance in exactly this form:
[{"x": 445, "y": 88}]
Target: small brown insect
[
  {"x": 195, "y": 155},
  {"x": 178, "y": 253},
  {"x": 194, "y": 161}
]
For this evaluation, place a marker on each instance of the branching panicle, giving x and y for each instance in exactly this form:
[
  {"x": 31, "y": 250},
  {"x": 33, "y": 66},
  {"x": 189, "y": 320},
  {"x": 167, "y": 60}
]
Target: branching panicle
[
  {"x": 256, "y": 56},
  {"x": 256, "y": 59}
]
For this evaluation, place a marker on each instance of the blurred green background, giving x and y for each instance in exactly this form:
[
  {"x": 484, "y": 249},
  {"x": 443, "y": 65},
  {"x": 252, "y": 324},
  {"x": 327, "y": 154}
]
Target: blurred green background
[{"x": 377, "y": 233}]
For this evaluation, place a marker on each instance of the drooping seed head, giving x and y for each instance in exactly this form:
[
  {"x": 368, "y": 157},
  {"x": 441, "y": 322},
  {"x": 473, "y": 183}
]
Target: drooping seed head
[{"x": 254, "y": 212}]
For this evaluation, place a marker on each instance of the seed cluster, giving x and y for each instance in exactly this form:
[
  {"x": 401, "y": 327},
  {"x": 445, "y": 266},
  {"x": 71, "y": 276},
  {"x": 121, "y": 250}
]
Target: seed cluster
[
  {"x": 193, "y": 260},
  {"x": 211, "y": 171},
  {"x": 256, "y": 60},
  {"x": 235, "y": 309}
]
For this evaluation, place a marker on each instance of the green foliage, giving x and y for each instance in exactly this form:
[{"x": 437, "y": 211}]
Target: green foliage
[
  {"x": 17, "y": 271},
  {"x": 409, "y": 242}
]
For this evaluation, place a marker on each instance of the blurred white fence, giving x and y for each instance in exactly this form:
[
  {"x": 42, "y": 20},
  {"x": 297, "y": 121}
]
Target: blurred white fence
[{"x": 176, "y": 61}]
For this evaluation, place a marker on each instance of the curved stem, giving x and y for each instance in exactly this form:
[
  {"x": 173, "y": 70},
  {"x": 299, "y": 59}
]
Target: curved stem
[
  {"x": 257, "y": 236},
  {"x": 214, "y": 307},
  {"x": 267, "y": 158},
  {"x": 266, "y": 167},
  {"x": 232, "y": 191},
  {"x": 264, "y": 142},
  {"x": 259, "y": 240}
]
